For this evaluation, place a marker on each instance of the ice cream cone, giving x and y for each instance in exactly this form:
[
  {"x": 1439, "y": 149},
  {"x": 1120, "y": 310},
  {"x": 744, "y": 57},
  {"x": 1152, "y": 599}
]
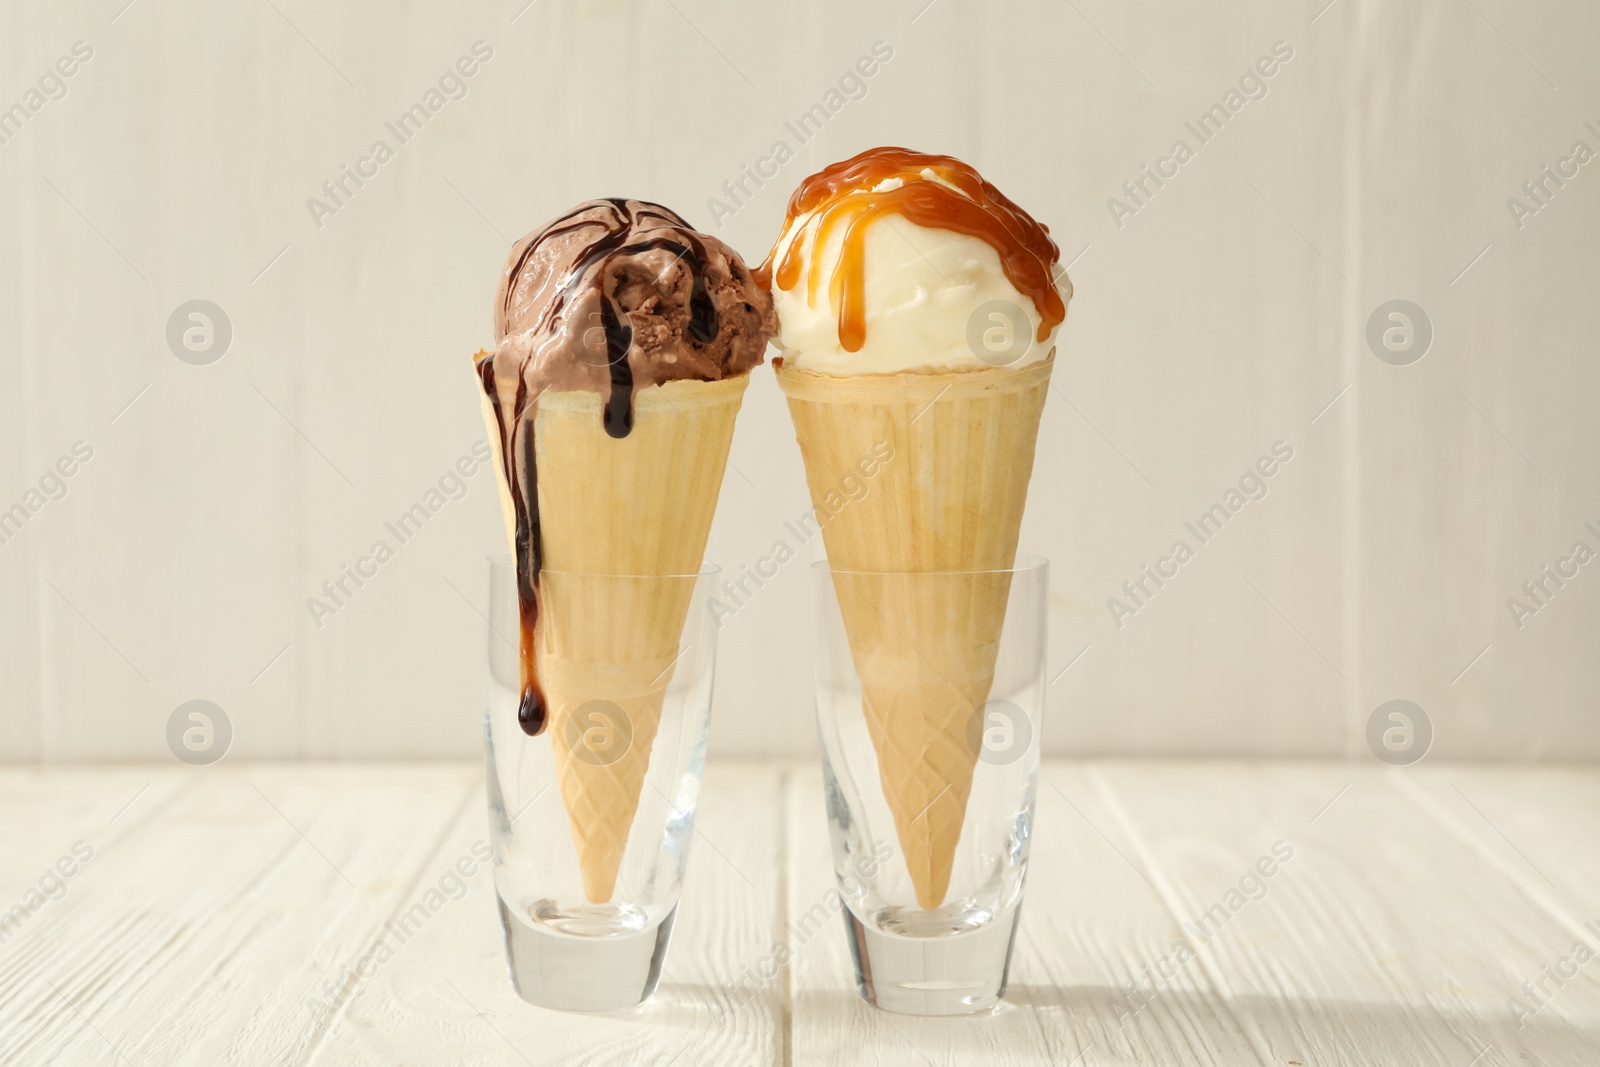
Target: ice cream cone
[
  {"x": 950, "y": 499},
  {"x": 637, "y": 506},
  {"x": 507, "y": 508},
  {"x": 624, "y": 339}
]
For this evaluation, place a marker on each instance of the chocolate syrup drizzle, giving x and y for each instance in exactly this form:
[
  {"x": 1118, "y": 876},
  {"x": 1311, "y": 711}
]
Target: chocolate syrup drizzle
[{"x": 589, "y": 272}]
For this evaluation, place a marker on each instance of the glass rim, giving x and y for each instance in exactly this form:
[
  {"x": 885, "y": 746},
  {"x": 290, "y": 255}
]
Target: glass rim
[
  {"x": 505, "y": 561},
  {"x": 1026, "y": 563}
]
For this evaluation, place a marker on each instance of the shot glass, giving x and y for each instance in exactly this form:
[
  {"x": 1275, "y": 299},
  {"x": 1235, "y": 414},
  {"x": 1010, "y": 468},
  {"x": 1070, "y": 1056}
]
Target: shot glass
[
  {"x": 588, "y": 883},
  {"x": 930, "y": 693}
]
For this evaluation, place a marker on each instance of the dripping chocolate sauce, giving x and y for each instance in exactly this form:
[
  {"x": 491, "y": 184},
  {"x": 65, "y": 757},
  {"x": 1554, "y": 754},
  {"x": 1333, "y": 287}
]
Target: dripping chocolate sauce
[{"x": 588, "y": 274}]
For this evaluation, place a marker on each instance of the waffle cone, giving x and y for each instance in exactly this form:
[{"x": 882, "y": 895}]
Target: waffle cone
[
  {"x": 949, "y": 499},
  {"x": 636, "y": 506}
]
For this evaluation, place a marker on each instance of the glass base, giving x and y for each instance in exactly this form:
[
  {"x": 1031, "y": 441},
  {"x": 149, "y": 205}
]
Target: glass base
[
  {"x": 937, "y": 963},
  {"x": 597, "y": 962}
]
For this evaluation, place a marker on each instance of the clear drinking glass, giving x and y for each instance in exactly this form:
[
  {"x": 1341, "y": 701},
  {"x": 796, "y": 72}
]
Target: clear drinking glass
[
  {"x": 618, "y": 662},
  {"x": 906, "y": 708}
]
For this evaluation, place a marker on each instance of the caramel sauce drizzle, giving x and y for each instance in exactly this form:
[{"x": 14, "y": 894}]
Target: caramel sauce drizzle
[{"x": 843, "y": 196}]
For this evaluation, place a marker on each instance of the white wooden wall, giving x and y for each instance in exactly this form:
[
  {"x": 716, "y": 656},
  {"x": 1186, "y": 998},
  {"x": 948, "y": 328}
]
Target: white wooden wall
[{"x": 1222, "y": 317}]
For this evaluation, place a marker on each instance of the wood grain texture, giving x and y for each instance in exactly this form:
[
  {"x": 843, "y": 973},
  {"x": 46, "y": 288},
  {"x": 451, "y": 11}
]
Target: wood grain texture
[
  {"x": 233, "y": 916},
  {"x": 198, "y": 935},
  {"x": 1525, "y": 822},
  {"x": 445, "y": 997},
  {"x": 1384, "y": 938},
  {"x": 213, "y": 924},
  {"x": 1383, "y": 932},
  {"x": 1089, "y": 923}
]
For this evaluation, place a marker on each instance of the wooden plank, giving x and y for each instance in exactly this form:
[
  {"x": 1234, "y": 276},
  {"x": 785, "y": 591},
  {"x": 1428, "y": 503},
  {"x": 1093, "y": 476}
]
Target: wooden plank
[
  {"x": 197, "y": 937},
  {"x": 215, "y": 909},
  {"x": 445, "y": 996},
  {"x": 1382, "y": 939},
  {"x": 61, "y": 826},
  {"x": 1094, "y": 926},
  {"x": 1090, "y": 922},
  {"x": 1535, "y": 825}
]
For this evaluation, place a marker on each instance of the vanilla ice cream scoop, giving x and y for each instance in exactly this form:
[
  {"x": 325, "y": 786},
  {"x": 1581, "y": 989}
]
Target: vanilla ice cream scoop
[{"x": 897, "y": 261}]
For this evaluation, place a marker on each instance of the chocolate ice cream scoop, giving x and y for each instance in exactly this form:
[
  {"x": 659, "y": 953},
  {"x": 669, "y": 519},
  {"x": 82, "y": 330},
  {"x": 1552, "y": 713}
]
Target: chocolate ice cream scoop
[
  {"x": 612, "y": 297},
  {"x": 618, "y": 295}
]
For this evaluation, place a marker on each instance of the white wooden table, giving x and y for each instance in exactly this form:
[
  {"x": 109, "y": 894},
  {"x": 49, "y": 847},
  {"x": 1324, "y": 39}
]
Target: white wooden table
[{"x": 219, "y": 903}]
